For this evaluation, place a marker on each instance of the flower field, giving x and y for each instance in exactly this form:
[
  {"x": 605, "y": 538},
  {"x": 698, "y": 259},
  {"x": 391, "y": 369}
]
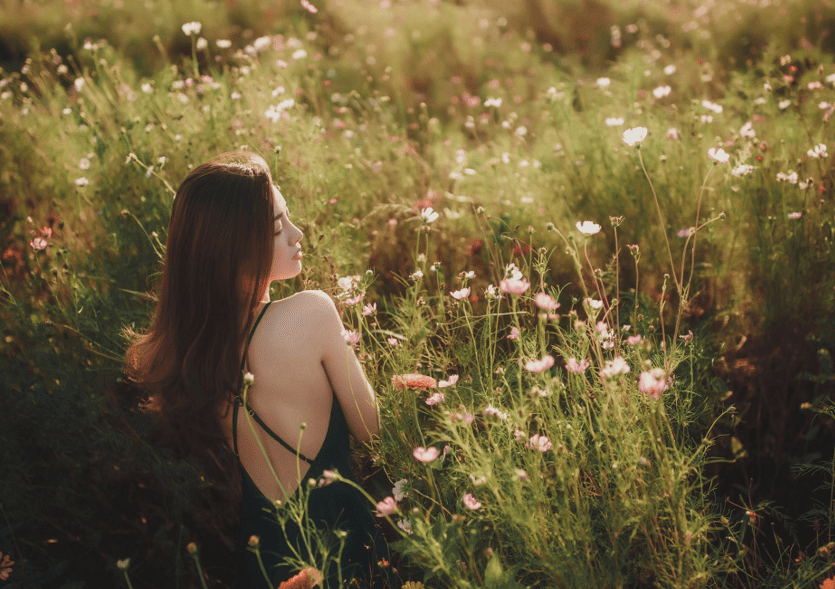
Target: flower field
[{"x": 584, "y": 249}]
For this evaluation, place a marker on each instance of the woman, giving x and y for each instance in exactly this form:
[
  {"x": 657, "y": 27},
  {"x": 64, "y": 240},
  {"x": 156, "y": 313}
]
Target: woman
[{"x": 230, "y": 235}]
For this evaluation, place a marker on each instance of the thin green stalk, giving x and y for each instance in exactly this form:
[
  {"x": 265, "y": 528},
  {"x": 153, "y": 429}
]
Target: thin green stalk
[
  {"x": 600, "y": 293},
  {"x": 261, "y": 563},
  {"x": 661, "y": 219},
  {"x": 194, "y": 58},
  {"x": 696, "y": 229},
  {"x": 127, "y": 580},
  {"x": 192, "y": 550}
]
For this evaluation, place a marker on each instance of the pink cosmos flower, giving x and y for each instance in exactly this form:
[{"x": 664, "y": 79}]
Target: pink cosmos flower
[
  {"x": 448, "y": 383},
  {"x": 588, "y": 227},
  {"x": 514, "y": 285},
  {"x": 537, "y": 442},
  {"x": 351, "y": 337},
  {"x": 672, "y": 133},
  {"x": 653, "y": 383},
  {"x": 328, "y": 476},
  {"x": 426, "y": 454},
  {"x": 435, "y": 399},
  {"x": 514, "y": 333},
  {"x": 386, "y": 507},
  {"x": 354, "y": 300},
  {"x": 546, "y": 301},
  {"x": 795, "y": 215},
  {"x": 37, "y": 244},
  {"x": 633, "y": 339},
  {"x": 540, "y": 365},
  {"x": 369, "y": 309},
  {"x": 461, "y": 294},
  {"x": 309, "y": 7},
  {"x": 399, "y": 490},
  {"x": 573, "y": 366},
  {"x": 393, "y": 341},
  {"x": 470, "y": 502},
  {"x": 614, "y": 367}
]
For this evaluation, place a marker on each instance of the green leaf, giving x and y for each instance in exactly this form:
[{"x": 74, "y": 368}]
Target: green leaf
[{"x": 496, "y": 578}]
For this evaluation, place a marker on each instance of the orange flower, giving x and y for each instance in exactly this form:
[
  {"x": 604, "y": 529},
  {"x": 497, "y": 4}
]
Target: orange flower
[
  {"x": 5, "y": 566},
  {"x": 828, "y": 584},
  {"x": 306, "y": 579},
  {"x": 413, "y": 381}
]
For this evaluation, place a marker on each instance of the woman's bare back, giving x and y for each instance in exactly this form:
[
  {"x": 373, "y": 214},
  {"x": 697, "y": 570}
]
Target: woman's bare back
[{"x": 301, "y": 365}]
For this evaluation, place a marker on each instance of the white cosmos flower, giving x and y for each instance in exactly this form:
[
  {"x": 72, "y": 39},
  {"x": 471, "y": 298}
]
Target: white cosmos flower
[
  {"x": 817, "y": 151},
  {"x": 428, "y": 215},
  {"x": 588, "y": 227},
  {"x": 635, "y": 136},
  {"x": 192, "y": 28},
  {"x": 661, "y": 92},
  {"x": 791, "y": 177},
  {"x": 742, "y": 170},
  {"x": 718, "y": 155},
  {"x": 614, "y": 122}
]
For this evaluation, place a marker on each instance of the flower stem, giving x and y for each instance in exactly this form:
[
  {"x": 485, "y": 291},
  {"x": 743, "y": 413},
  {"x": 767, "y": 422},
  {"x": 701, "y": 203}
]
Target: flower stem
[
  {"x": 660, "y": 218},
  {"x": 127, "y": 580},
  {"x": 261, "y": 564},
  {"x": 199, "y": 570}
]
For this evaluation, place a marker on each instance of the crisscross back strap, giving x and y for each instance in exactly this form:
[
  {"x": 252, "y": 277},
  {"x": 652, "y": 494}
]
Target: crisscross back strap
[{"x": 239, "y": 401}]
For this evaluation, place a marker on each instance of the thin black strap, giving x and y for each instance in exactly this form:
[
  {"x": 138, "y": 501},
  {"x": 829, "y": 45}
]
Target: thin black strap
[
  {"x": 258, "y": 420},
  {"x": 248, "y": 341},
  {"x": 274, "y": 436},
  {"x": 238, "y": 399}
]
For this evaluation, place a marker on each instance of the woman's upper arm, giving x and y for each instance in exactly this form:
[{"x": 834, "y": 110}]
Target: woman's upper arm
[{"x": 345, "y": 373}]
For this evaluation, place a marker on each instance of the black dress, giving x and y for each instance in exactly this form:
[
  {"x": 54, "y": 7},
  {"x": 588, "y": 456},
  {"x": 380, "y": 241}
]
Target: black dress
[{"x": 336, "y": 506}]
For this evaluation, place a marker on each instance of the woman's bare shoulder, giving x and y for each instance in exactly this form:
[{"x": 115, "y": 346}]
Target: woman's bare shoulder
[
  {"x": 309, "y": 308},
  {"x": 312, "y": 301}
]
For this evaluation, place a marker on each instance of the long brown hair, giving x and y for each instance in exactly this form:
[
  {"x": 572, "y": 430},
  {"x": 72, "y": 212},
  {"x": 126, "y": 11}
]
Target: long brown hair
[{"x": 218, "y": 256}]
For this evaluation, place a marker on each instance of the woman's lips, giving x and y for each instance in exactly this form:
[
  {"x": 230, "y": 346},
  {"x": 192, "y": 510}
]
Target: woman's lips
[{"x": 298, "y": 255}]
